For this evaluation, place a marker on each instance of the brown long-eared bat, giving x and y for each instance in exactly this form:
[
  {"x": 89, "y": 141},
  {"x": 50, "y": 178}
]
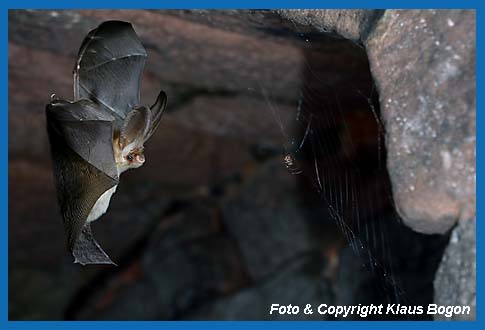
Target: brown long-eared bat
[{"x": 101, "y": 133}]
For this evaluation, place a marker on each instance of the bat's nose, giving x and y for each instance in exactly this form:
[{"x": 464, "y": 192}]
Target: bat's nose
[{"x": 140, "y": 158}]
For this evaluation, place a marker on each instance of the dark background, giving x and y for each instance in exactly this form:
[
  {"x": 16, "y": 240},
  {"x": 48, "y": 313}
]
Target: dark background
[{"x": 213, "y": 226}]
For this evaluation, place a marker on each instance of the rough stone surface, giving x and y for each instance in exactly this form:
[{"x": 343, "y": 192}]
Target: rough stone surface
[
  {"x": 424, "y": 66},
  {"x": 423, "y": 62},
  {"x": 455, "y": 283},
  {"x": 350, "y": 24},
  {"x": 187, "y": 260},
  {"x": 280, "y": 225},
  {"x": 298, "y": 284},
  {"x": 213, "y": 219}
]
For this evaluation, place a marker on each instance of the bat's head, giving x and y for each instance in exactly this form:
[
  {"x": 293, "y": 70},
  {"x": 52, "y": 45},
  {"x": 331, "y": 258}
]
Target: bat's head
[
  {"x": 130, "y": 158},
  {"x": 128, "y": 145},
  {"x": 138, "y": 126}
]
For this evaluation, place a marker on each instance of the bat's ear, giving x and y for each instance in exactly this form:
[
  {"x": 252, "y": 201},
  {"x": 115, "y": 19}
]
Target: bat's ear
[
  {"x": 135, "y": 127},
  {"x": 157, "y": 110}
]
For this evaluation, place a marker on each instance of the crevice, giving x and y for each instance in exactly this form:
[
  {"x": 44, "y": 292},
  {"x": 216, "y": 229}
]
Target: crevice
[{"x": 371, "y": 22}]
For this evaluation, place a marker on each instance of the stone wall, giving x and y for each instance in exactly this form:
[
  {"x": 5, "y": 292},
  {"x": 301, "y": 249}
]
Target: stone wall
[{"x": 213, "y": 223}]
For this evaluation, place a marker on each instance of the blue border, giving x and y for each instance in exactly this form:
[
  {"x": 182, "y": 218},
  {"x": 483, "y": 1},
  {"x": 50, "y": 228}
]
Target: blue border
[
  {"x": 239, "y": 4},
  {"x": 192, "y": 4}
]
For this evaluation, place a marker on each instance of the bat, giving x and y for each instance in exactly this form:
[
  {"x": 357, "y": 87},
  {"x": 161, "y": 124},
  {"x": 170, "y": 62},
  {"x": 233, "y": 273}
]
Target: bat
[{"x": 101, "y": 133}]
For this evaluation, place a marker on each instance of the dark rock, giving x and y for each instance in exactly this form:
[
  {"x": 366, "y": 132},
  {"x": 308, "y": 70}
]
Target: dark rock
[
  {"x": 455, "y": 283},
  {"x": 299, "y": 283},
  {"x": 247, "y": 119},
  {"x": 42, "y": 276},
  {"x": 175, "y": 148},
  {"x": 179, "y": 53},
  {"x": 186, "y": 262},
  {"x": 263, "y": 24},
  {"x": 397, "y": 267},
  {"x": 268, "y": 224}
]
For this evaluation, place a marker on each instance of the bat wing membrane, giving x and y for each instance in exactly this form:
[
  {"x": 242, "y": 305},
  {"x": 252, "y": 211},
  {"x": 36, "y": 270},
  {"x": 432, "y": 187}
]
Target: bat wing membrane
[
  {"x": 109, "y": 67},
  {"x": 88, "y": 131},
  {"x": 80, "y": 136}
]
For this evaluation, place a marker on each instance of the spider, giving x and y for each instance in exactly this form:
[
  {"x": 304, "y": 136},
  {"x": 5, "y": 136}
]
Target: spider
[
  {"x": 289, "y": 157},
  {"x": 290, "y": 164}
]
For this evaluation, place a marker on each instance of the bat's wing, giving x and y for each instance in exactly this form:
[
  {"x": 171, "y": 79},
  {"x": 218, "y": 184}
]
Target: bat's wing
[
  {"x": 81, "y": 138},
  {"x": 109, "y": 67},
  {"x": 87, "y": 250}
]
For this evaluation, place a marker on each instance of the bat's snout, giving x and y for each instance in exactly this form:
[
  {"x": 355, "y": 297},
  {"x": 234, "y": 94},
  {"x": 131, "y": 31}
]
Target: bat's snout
[{"x": 140, "y": 158}]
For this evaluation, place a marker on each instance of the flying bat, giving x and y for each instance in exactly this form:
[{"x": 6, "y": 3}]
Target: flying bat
[{"x": 101, "y": 133}]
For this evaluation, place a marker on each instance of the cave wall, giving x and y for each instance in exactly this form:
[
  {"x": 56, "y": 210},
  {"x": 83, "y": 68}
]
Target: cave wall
[
  {"x": 423, "y": 63},
  {"x": 184, "y": 247}
]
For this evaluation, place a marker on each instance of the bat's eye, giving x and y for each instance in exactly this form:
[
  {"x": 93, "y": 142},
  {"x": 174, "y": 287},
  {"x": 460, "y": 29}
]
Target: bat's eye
[{"x": 129, "y": 157}]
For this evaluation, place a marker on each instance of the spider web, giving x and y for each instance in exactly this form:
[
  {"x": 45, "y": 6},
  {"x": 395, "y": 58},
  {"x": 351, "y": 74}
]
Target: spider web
[{"x": 318, "y": 145}]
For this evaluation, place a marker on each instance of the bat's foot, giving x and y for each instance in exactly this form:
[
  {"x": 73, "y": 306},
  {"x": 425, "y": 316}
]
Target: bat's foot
[{"x": 87, "y": 251}]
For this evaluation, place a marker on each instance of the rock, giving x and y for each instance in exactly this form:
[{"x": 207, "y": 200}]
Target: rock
[
  {"x": 350, "y": 24},
  {"x": 177, "y": 146},
  {"x": 41, "y": 274},
  {"x": 269, "y": 226},
  {"x": 179, "y": 53},
  {"x": 401, "y": 269},
  {"x": 424, "y": 65},
  {"x": 187, "y": 261},
  {"x": 427, "y": 103},
  {"x": 299, "y": 283},
  {"x": 202, "y": 254},
  {"x": 455, "y": 283},
  {"x": 263, "y": 24},
  {"x": 213, "y": 224},
  {"x": 217, "y": 133},
  {"x": 233, "y": 117}
]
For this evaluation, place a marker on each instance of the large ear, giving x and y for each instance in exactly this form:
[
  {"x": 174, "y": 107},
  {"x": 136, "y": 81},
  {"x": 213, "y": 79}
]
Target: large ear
[
  {"x": 135, "y": 127},
  {"x": 157, "y": 110}
]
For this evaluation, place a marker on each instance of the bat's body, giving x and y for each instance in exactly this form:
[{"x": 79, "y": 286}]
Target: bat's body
[
  {"x": 101, "y": 133},
  {"x": 101, "y": 205}
]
